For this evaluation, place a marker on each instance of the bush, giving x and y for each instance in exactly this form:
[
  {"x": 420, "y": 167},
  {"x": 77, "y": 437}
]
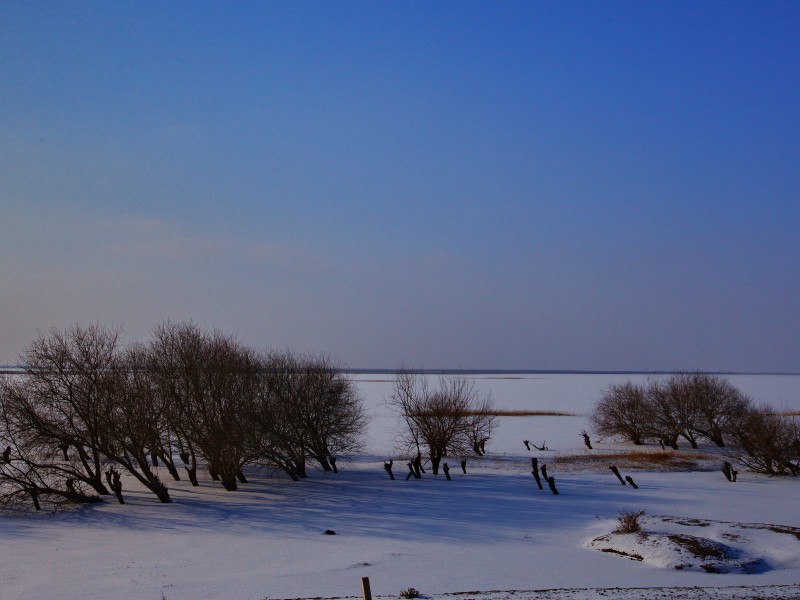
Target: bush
[
  {"x": 410, "y": 593},
  {"x": 629, "y": 521}
]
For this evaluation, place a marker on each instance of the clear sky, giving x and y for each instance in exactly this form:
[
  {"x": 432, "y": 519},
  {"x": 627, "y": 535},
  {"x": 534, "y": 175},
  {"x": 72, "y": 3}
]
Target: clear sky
[{"x": 529, "y": 185}]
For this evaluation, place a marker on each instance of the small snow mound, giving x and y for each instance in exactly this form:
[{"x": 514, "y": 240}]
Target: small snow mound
[{"x": 673, "y": 543}]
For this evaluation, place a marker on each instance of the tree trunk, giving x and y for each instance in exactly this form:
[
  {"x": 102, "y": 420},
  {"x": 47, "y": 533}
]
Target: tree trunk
[
  {"x": 229, "y": 482},
  {"x": 162, "y": 493},
  {"x": 240, "y": 476},
  {"x": 435, "y": 459},
  {"x": 192, "y": 473},
  {"x": 170, "y": 464},
  {"x": 190, "y": 460},
  {"x": 93, "y": 478}
]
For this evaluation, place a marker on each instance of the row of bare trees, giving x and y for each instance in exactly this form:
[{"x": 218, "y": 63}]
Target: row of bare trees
[
  {"x": 86, "y": 406},
  {"x": 700, "y": 406}
]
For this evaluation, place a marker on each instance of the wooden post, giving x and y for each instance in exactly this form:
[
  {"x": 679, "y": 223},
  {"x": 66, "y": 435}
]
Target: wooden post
[{"x": 366, "y": 592}]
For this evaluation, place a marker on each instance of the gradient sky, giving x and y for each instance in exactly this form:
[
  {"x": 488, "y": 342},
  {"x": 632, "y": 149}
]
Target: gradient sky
[{"x": 520, "y": 185}]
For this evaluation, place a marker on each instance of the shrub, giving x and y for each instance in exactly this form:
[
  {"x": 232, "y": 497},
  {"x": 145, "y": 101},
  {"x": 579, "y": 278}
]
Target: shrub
[
  {"x": 629, "y": 521},
  {"x": 410, "y": 593}
]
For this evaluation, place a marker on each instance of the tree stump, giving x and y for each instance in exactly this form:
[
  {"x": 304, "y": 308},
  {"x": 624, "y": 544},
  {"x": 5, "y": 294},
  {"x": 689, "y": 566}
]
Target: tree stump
[
  {"x": 535, "y": 472},
  {"x": 543, "y": 469},
  {"x": 388, "y": 468},
  {"x": 551, "y": 481},
  {"x": 615, "y": 471},
  {"x": 446, "y": 470},
  {"x": 727, "y": 470},
  {"x": 629, "y": 479},
  {"x": 464, "y": 466}
]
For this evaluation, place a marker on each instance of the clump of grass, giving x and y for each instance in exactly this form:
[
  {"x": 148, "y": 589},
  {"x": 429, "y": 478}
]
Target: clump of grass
[
  {"x": 629, "y": 521},
  {"x": 410, "y": 593}
]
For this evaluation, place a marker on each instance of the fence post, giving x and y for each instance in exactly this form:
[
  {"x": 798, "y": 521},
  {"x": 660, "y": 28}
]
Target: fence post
[{"x": 365, "y": 590}]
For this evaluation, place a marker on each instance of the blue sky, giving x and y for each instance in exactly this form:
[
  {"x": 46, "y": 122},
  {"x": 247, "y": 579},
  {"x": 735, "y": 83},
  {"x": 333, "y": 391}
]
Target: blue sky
[{"x": 571, "y": 185}]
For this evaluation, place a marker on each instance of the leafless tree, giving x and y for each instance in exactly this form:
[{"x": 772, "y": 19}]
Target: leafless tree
[
  {"x": 450, "y": 419},
  {"x": 32, "y": 470},
  {"x": 212, "y": 380},
  {"x": 58, "y": 402},
  {"x": 624, "y": 410},
  {"x": 134, "y": 419},
  {"x": 308, "y": 409},
  {"x": 672, "y": 411},
  {"x": 715, "y": 403},
  {"x": 764, "y": 441}
]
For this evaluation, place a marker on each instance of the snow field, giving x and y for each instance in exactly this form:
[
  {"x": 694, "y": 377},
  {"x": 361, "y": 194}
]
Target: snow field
[{"x": 489, "y": 530}]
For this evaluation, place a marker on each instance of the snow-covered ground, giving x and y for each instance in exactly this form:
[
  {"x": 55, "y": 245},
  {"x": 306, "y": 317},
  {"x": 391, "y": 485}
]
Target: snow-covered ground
[{"x": 490, "y": 529}]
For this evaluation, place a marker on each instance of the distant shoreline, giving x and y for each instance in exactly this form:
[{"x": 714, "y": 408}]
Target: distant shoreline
[
  {"x": 356, "y": 371},
  {"x": 17, "y": 369}
]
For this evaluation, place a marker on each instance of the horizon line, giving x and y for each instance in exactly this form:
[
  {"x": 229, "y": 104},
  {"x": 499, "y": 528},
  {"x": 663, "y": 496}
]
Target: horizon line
[{"x": 18, "y": 369}]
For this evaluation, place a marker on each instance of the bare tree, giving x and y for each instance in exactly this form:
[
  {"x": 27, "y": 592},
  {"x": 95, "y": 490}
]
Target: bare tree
[
  {"x": 59, "y": 400},
  {"x": 624, "y": 410},
  {"x": 134, "y": 419},
  {"x": 449, "y": 419},
  {"x": 764, "y": 441},
  {"x": 715, "y": 403},
  {"x": 308, "y": 409},
  {"x": 30, "y": 469},
  {"x": 212, "y": 380}
]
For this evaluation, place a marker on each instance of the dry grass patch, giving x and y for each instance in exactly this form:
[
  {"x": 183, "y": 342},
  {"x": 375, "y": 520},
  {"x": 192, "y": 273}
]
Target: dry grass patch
[
  {"x": 532, "y": 413},
  {"x": 508, "y": 413},
  {"x": 638, "y": 460}
]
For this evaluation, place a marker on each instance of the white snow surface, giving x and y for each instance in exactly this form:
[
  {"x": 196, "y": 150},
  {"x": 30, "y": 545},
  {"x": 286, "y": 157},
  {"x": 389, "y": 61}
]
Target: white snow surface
[{"x": 490, "y": 533}]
